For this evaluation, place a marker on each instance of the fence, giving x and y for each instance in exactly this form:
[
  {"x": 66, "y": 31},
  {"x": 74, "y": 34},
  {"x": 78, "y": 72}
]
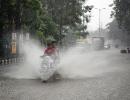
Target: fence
[{"x": 8, "y": 61}]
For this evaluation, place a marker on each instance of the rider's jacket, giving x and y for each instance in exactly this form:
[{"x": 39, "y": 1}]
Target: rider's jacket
[{"x": 50, "y": 51}]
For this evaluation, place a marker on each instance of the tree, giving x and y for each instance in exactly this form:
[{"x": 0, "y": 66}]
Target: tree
[
  {"x": 27, "y": 15},
  {"x": 66, "y": 12},
  {"x": 114, "y": 31},
  {"x": 122, "y": 13},
  {"x": 45, "y": 16}
]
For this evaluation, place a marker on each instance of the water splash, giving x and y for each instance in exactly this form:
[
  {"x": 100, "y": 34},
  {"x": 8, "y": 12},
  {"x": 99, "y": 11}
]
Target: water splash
[
  {"x": 81, "y": 63},
  {"x": 30, "y": 68},
  {"x": 74, "y": 63}
]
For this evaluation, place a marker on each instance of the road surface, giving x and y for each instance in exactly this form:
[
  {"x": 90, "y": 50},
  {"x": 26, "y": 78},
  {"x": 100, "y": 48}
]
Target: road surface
[{"x": 113, "y": 85}]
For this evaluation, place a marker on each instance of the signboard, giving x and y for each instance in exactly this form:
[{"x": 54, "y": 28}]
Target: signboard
[
  {"x": 13, "y": 49},
  {"x": 21, "y": 37},
  {"x": 21, "y": 42},
  {"x": 13, "y": 44},
  {"x": 14, "y": 36}
]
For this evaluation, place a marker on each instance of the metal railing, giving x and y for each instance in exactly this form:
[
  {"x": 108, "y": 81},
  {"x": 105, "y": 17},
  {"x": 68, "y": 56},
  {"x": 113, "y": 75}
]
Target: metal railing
[{"x": 9, "y": 61}]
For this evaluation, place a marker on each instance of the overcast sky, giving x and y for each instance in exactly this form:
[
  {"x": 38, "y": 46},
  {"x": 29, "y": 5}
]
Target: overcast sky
[{"x": 105, "y": 13}]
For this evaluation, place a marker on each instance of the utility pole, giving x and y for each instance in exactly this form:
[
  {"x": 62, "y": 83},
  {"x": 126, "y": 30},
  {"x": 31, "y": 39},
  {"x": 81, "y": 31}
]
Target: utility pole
[
  {"x": 100, "y": 9},
  {"x": 99, "y": 20}
]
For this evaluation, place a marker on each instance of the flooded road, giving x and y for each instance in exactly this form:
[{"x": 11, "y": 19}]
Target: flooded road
[{"x": 110, "y": 80}]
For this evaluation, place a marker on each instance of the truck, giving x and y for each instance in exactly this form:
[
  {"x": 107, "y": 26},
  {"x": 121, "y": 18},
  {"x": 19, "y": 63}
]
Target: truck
[{"x": 97, "y": 43}]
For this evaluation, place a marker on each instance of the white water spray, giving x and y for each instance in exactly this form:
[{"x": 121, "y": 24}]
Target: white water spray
[
  {"x": 30, "y": 68},
  {"x": 75, "y": 63},
  {"x": 82, "y": 64}
]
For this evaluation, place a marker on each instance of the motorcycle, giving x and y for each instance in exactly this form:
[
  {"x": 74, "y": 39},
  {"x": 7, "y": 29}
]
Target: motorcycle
[{"x": 48, "y": 69}]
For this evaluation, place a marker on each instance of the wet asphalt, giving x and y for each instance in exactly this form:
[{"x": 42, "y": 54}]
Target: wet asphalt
[{"x": 108, "y": 86}]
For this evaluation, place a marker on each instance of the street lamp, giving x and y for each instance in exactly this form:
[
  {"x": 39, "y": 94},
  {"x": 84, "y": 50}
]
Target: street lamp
[{"x": 100, "y": 18}]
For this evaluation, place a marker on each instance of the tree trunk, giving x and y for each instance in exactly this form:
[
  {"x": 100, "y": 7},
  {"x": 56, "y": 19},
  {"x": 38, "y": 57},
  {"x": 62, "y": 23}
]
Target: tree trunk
[{"x": 18, "y": 15}]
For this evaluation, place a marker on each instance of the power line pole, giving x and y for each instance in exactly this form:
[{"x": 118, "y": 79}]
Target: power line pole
[{"x": 100, "y": 9}]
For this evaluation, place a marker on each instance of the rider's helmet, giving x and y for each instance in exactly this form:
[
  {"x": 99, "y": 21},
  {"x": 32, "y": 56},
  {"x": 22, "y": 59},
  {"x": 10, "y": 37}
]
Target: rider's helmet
[{"x": 51, "y": 41}]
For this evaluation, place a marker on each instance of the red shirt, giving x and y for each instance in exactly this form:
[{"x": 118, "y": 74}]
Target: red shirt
[{"x": 50, "y": 50}]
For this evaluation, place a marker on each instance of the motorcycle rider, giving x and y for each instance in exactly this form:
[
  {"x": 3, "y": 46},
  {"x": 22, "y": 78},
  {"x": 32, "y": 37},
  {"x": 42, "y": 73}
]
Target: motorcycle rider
[{"x": 51, "y": 50}]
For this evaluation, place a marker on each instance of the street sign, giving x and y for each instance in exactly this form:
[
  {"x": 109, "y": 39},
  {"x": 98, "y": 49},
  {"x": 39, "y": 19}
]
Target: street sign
[{"x": 13, "y": 51}]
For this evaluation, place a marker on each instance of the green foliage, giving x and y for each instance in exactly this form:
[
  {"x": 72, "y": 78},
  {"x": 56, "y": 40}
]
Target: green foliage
[
  {"x": 42, "y": 18},
  {"x": 27, "y": 15},
  {"x": 67, "y": 12},
  {"x": 122, "y": 13},
  {"x": 114, "y": 31}
]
